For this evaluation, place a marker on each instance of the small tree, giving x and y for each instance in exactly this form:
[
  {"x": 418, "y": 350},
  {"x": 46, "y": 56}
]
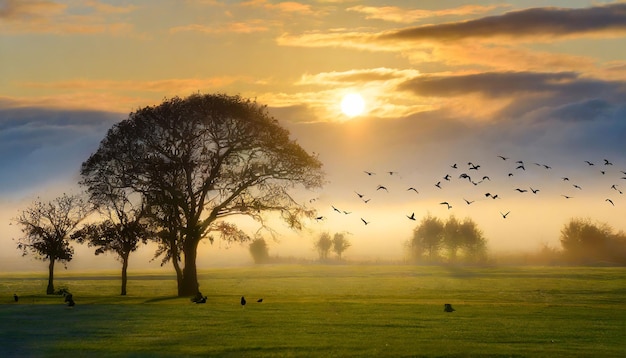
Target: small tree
[
  {"x": 586, "y": 242},
  {"x": 340, "y": 244},
  {"x": 323, "y": 245},
  {"x": 259, "y": 251},
  {"x": 452, "y": 238},
  {"x": 428, "y": 238},
  {"x": 46, "y": 229},
  {"x": 473, "y": 241},
  {"x": 119, "y": 238}
]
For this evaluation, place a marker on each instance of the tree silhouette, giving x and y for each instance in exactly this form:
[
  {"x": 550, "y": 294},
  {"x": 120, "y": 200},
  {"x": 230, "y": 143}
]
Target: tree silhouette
[
  {"x": 46, "y": 229},
  {"x": 259, "y": 250},
  {"x": 586, "y": 242},
  {"x": 323, "y": 245},
  {"x": 199, "y": 160},
  {"x": 340, "y": 244},
  {"x": 428, "y": 237}
]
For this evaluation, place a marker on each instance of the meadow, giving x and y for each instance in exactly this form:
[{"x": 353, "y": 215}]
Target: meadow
[{"x": 323, "y": 311}]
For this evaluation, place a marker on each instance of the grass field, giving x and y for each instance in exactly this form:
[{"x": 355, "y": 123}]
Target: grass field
[{"x": 328, "y": 311}]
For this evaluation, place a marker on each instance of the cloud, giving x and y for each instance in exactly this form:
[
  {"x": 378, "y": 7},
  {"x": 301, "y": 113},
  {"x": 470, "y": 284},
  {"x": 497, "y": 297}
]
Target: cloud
[
  {"x": 401, "y": 15},
  {"x": 500, "y": 95},
  {"x": 42, "y": 16},
  {"x": 290, "y": 7},
  {"x": 356, "y": 76},
  {"x": 247, "y": 27},
  {"x": 532, "y": 24},
  {"x": 40, "y": 146}
]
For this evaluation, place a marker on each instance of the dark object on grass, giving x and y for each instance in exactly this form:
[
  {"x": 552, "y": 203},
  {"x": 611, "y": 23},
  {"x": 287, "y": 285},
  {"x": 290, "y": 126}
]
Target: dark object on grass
[
  {"x": 259, "y": 300},
  {"x": 448, "y": 307},
  {"x": 243, "y": 301},
  {"x": 15, "y": 297},
  {"x": 198, "y": 298},
  {"x": 70, "y": 300}
]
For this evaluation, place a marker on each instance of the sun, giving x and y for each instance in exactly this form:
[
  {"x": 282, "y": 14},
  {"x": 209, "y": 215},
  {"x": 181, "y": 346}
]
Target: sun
[{"x": 352, "y": 104}]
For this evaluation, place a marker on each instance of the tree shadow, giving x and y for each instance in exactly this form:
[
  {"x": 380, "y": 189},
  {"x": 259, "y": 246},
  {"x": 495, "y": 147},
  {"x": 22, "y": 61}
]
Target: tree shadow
[{"x": 162, "y": 299}]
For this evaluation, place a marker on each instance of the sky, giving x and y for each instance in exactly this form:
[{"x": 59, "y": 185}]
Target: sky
[{"x": 443, "y": 82}]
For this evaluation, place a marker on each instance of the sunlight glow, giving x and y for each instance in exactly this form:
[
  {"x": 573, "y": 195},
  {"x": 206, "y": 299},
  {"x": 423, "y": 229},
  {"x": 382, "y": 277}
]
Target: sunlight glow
[{"x": 352, "y": 104}]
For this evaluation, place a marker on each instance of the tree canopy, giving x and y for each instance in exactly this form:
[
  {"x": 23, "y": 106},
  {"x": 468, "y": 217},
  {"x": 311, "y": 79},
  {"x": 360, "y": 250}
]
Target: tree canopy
[{"x": 199, "y": 160}]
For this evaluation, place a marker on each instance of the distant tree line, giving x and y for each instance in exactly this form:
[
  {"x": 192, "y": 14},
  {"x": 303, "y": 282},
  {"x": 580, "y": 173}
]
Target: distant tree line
[{"x": 451, "y": 241}]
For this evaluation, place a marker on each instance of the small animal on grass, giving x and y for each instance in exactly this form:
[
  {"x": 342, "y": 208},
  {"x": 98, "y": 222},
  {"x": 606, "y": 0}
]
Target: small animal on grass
[
  {"x": 199, "y": 298},
  {"x": 243, "y": 302},
  {"x": 15, "y": 297},
  {"x": 70, "y": 300},
  {"x": 259, "y": 300},
  {"x": 448, "y": 307}
]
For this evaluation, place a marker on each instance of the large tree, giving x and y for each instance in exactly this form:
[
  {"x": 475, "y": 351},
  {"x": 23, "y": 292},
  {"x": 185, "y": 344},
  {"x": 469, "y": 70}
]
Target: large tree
[
  {"x": 46, "y": 229},
  {"x": 199, "y": 160}
]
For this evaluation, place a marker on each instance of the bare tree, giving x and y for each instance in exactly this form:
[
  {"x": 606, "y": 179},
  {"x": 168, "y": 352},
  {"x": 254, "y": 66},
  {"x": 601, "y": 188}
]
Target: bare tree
[
  {"x": 46, "y": 230},
  {"x": 198, "y": 161}
]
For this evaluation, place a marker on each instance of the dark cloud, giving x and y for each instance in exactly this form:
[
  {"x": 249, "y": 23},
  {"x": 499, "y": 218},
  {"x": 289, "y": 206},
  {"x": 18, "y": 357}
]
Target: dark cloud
[
  {"x": 41, "y": 145},
  {"x": 534, "y": 22}
]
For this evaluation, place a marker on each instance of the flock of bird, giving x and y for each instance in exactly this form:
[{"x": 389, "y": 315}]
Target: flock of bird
[{"x": 473, "y": 175}]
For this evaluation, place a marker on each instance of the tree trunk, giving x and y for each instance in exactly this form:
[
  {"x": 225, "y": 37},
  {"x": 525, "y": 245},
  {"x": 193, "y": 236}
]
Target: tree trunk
[
  {"x": 189, "y": 286},
  {"x": 124, "y": 274},
  {"x": 50, "y": 289}
]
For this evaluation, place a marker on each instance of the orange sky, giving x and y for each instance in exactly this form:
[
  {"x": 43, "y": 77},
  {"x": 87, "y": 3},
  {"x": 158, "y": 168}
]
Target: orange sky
[{"x": 443, "y": 82}]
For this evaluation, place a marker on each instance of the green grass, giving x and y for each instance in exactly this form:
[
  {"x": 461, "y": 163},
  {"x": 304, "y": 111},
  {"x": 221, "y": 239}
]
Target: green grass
[{"x": 328, "y": 311}]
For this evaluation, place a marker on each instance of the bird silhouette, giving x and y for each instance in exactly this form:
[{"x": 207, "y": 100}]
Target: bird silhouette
[
  {"x": 319, "y": 218},
  {"x": 521, "y": 190},
  {"x": 448, "y": 308},
  {"x": 15, "y": 297},
  {"x": 438, "y": 185},
  {"x": 468, "y": 202},
  {"x": 447, "y": 177},
  {"x": 335, "y": 209},
  {"x": 610, "y": 201},
  {"x": 606, "y": 162},
  {"x": 577, "y": 187},
  {"x": 486, "y": 178},
  {"x": 412, "y": 216},
  {"x": 521, "y": 167},
  {"x": 369, "y": 173},
  {"x": 566, "y": 197},
  {"x": 588, "y": 162},
  {"x": 243, "y": 301},
  {"x": 565, "y": 178},
  {"x": 259, "y": 300},
  {"x": 365, "y": 221},
  {"x": 360, "y": 195},
  {"x": 534, "y": 190},
  {"x": 473, "y": 167},
  {"x": 503, "y": 158},
  {"x": 381, "y": 187},
  {"x": 447, "y": 204},
  {"x": 412, "y": 188},
  {"x": 505, "y": 215},
  {"x": 454, "y": 166}
]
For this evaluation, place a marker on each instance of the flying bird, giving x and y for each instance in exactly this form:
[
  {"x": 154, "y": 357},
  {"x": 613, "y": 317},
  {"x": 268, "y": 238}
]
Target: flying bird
[
  {"x": 588, "y": 162},
  {"x": 566, "y": 197},
  {"x": 521, "y": 167},
  {"x": 447, "y": 177},
  {"x": 415, "y": 190},
  {"x": 565, "y": 178},
  {"x": 577, "y": 187},
  {"x": 505, "y": 215},
  {"x": 335, "y": 209},
  {"x": 503, "y": 158},
  {"x": 486, "y": 178},
  {"x": 468, "y": 202},
  {"x": 521, "y": 190},
  {"x": 534, "y": 190},
  {"x": 381, "y": 187},
  {"x": 364, "y": 221},
  {"x": 412, "y": 216},
  {"x": 369, "y": 173},
  {"x": 360, "y": 195},
  {"x": 438, "y": 185},
  {"x": 454, "y": 166},
  {"x": 610, "y": 201},
  {"x": 447, "y": 204},
  {"x": 606, "y": 162},
  {"x": 319, "y": 218},
  {"x": 473, "y": 167},
  {"x": 392, "y": 173}
]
